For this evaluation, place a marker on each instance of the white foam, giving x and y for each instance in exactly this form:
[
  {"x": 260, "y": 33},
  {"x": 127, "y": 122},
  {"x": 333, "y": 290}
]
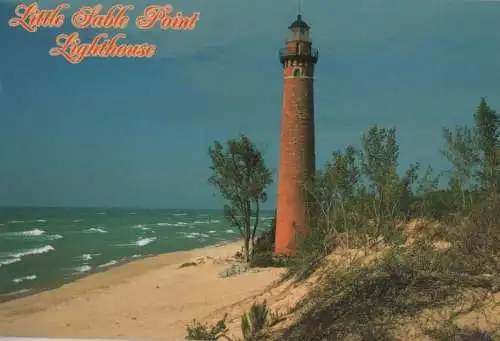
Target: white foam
[
  {"x": 230, "y": 231},
  {"x": 206, "y": 222},
  {"x": 77, "y": 220},
  {"x": 132, "y": 213},
  {"x": 83, "y": 268},
  {"x": 25, "y": 278},
  {"x": 136, "y": 256},
  {"x": 105, "y": 265},
  {"x": 145, "y": 241},
  {"x": 54, "y": 237},
  {"x": 16, "y": 221},
  {"x": 37, "y": 251},
  {"x": 180, "y": 214},
  {"x": 35, "y": 232},
  {"x": 9, "y": 261},
  {"x": 212, "y": 231},
  {"x": 87, "y": 256},
  {"x": 96, "y": 230},
  {"x": 40, "y": 221},
  {"x": 192, "y": 235},
  {"x": 141, "y": 227},
  {"x": 178, "y": 224},
  {"x": 30, "y": 233}
]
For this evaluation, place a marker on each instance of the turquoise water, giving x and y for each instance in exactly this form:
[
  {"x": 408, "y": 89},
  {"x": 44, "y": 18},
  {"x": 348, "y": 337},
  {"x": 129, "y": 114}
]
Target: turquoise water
[{"x": 43, "y": 247}]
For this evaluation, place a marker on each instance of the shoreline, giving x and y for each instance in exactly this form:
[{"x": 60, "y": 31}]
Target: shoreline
[
  {"x": 149, "y": 298},
  {"x": 4, "y": 298}
]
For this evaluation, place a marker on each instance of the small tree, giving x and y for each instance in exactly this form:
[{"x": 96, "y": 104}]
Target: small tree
[
  {"x": 487, "y": 130},
  {"x": 461, "y": 151},
  {"x": 240, "y": 174},
  {"x": 389, "y": 191}
]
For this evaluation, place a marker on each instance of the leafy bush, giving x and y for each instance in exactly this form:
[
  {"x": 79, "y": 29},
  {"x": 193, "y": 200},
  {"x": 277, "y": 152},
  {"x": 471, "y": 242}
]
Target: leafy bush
[
  {"x": 254, "y": 322},
  {"x": 263, "y": 253},
  {"x": 263, "y": 260},
  {"x": 198, "y": 331}
]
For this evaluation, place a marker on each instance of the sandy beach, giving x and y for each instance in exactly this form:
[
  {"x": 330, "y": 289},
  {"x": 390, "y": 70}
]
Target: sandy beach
[
  {"x": 156, "y": 297},
  {"x": 149, "y": 298}
]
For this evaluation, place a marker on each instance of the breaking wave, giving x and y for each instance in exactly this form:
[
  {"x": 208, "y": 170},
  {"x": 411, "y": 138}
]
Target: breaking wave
[
  {"x": 192, "y": 235},
  {"x": 141, "y": 227},
  {"x": 88, "y": 256},
  {"x": 144, "y": 241},
  {"x": 31, "y": 233},
  {"x": 197, "y": 222},
  {"x": 96, "y": 230},
  {"x": 31, "y": 252},
  {"x": 105, "y": 265},
  {"x": 140, "y": 242},
  {"x": 83, "y": 269},
  {"x": 15, "y": 257},
  {"x": 25, "y": 278},
  {"x": 9, "y": 261},
  {"x": 178, "y": 224}
]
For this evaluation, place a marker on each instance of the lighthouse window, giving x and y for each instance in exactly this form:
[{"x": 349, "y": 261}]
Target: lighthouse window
[{"x": 297, "y": 72}]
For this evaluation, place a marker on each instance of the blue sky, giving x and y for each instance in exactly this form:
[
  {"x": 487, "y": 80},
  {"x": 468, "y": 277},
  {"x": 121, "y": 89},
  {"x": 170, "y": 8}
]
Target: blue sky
[{"x": 135, "y": 133}]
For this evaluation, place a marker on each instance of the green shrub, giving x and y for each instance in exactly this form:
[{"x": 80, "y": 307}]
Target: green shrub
[
  {"x": 263, "y": 252},
  {"x": 198, "y": 331},
  {"x": 254, "y": 322},
  {"x": 263, "y": 260}
]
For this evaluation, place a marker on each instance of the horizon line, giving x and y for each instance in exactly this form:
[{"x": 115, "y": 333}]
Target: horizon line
[{"x": 120, "y": 207}]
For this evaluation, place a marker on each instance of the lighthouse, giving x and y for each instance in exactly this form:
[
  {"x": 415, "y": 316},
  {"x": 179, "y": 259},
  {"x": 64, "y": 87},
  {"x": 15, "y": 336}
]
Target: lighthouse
[{"x": 297, "y": 151}]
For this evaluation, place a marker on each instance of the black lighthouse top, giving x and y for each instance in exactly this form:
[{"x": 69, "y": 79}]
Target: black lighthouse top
[
  {"x": 298, "y": 46},
  {"x": 299, "y": 23}
]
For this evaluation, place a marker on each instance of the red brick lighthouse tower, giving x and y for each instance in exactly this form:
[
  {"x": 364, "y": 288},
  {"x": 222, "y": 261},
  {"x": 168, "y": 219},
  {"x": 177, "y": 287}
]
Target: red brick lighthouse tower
[{"x": 297, "y": 155}]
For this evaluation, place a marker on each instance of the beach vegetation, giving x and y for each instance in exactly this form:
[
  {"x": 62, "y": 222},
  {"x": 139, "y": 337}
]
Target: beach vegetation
[
  {"x": 263, "y": 255},
  {"x": 187, "y": 264},
  {"x": 240, "y": 174},
  {"x": 356, "y": 199},
  {"x": 410, "y": 243},
  {"x": 216, "y": 332},
  {"x": 254, "y": 322},
  {"x": 392, "y": 249}
]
